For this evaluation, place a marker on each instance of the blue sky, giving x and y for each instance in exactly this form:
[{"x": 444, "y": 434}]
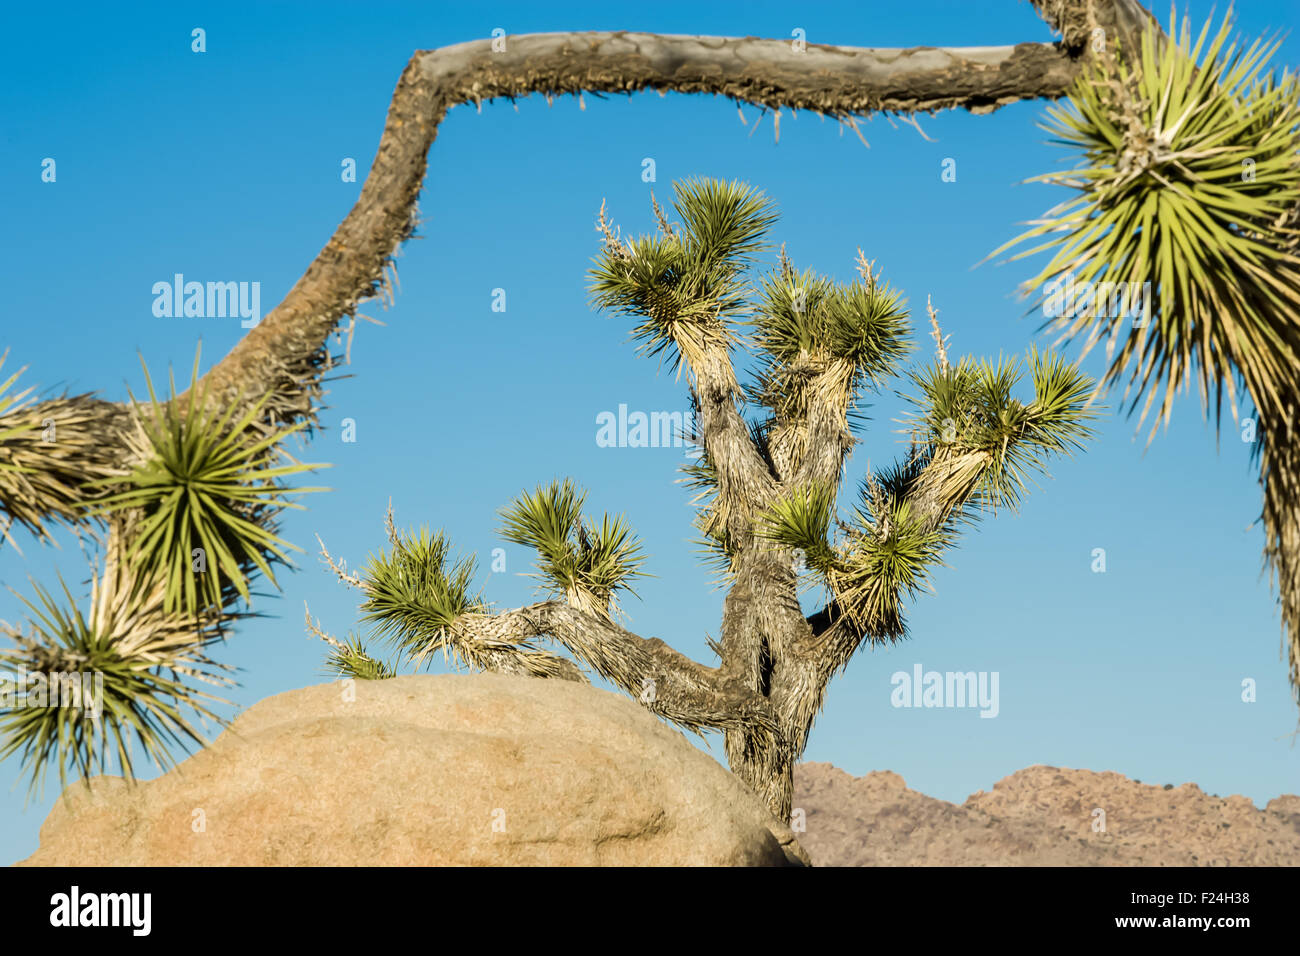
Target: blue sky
[{"x": 225, "y": 165}]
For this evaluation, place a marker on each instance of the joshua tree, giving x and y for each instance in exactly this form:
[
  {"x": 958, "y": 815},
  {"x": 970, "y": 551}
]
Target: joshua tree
[{"x": 772, "y": 454}]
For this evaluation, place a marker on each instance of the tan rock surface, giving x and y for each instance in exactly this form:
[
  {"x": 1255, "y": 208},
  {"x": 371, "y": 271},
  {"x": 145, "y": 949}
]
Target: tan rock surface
[
  {"x": 477, "y": 769},
  {"x": 1039, "y": 816}
]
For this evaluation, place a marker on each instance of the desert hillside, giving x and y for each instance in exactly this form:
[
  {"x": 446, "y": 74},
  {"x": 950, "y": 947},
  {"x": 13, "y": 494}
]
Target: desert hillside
[{"x": 1039, "y": 816}]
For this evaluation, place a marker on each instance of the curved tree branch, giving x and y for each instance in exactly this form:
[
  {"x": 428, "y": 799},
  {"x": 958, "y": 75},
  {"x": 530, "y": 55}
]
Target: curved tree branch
[
  {"x": 841, "y": 82},
  {"x": 285, "y": 354}
]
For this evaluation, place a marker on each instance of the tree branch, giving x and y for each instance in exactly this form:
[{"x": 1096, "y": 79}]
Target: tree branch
[
  {"x": 285, "y": 354},
  {"x": 837, "y": 81},
  {"x": 812, "y": 450},
  {"x": 937, "y": 495},
  {"x": 744, "y": 482},
  {"x": 827, "y": 437}
]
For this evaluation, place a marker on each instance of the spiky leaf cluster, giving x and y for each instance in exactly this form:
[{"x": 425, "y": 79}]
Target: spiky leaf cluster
[
  {"x": 147, "y": 658},
  {"x": 686, "y": 283},
  {"x": 416, "y": 591},
  {"x": 47, "y": 454},
  {"x": 205, "y": 486},
  {"x": 419, "y": 597},
  {"x": 821, "y": 343},
  {"x": 1189, "y": 180},
  {"x": 206, "y": 489},
  {"x": 969, "y": 410},
  {"x": 587, "y": 562},
  {"x": 801, "y": 521},
  {"x": 974, "y": 445},
  {"x": 807, "y": 326},
  {"x": 350, "y": 659}
]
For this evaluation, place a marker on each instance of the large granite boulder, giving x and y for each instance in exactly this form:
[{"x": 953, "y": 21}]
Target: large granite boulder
[{"x": 481, "y": 769}]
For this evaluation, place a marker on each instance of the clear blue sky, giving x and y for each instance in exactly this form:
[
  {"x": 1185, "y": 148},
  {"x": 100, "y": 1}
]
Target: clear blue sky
[{"x": 225, "y": 166}]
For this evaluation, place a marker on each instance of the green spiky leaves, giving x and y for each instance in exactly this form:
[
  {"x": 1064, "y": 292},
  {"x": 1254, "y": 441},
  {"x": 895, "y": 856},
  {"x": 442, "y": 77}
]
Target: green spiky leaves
[
  {"x": 887, "y": 563},
  {"x": 350, "y": 659},
  {"x": 974, "y": 445},
  {"x": 417, "y": 591},
  {"x": 190, "y": 518},
  {"x": 20, "y": 500},
  {"x": 685, "y": 283},
  {"x": 966, "y": 416},
  {"x": 419, "y": 597},
  {"x": 94, "y": 686},
  {"x": 804, "y": 318},
  {"x": 47, "y": 454},
  {"x": 882, "y": 558},
  {"x": 725, "y": 222},
  {"x": 1187, "y": 187},
  {"x": 801, "y": 521},
  {"x": 822, "y": 342},
  {"x": 203, "y": 498},
  {"x": 588, "y": 563},
  {"x": 189, "y": 522}
]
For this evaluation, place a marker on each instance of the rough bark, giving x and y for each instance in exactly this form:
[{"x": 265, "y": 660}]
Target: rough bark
[
  {"x": 1077, "y": 21},
  {"x": 841, "y": 82},
  {"x": 745, "y": 485}
]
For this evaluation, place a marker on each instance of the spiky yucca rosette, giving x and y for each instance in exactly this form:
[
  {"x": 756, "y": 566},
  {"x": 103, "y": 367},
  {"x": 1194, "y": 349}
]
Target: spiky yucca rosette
[
  {"x": 145, "y": 655},
  {"x": 1190, "y": 181},
  {"x": 205, "y": 483},
  {"x": 1189, "y": 178}
]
